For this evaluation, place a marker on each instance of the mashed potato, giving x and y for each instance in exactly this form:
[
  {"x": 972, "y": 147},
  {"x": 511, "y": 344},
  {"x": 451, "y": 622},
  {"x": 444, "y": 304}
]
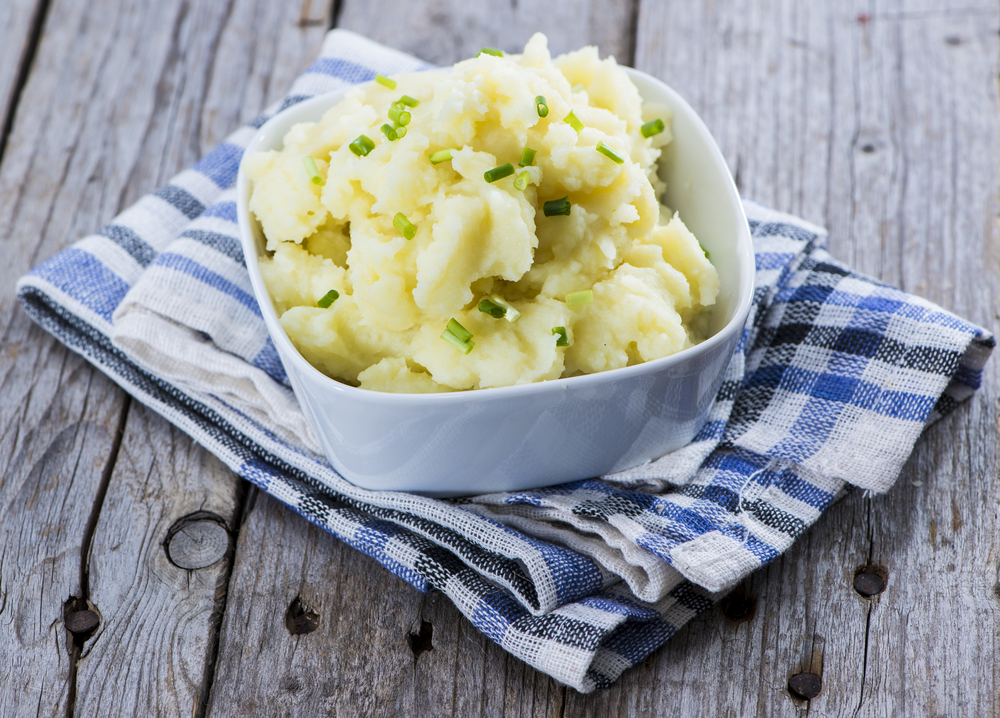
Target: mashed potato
[{"x": 648, "y": 278}]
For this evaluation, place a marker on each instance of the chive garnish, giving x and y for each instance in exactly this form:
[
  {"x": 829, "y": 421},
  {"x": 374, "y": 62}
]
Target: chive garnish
[
  {"x": 408, "y": 101},
  {"x": 404, "y": 225},
  {"x": 311, "y": 170},
  {"x": 400, "y": 132},
  {"x": 458, "y": 336},
  {"x": 458, "y": 330},
  {"x": 521, "y": 183},
  {"x": 609, "y": 153},
  {"x": 497, "y": 308},
  {"x": 511, "y": 314},
  {"x": 385, "y": 81},
  {"x": 577, "y": 299},
  {"x": 440, "y": 156},
  {"x": 401, "y": 117},
  {"x": 504, "y": 170},
  {"x": 491, "y": 51},
  {"x": 573, "y": 121},
  {"x": 540, "y": 106},
  {"x": 556, "y": 207},
  {"x": 328, "y": 299},
  {"x": 390, "y": 132},
  {"x": 527, "y": 157},
  {"x": 362, "y": 146},
  {"x": 494, "y": 310},
  {"x": 653, "y": 127},
  {"x": 561, "y": 339},
  {"x": 464, "y": 347}
]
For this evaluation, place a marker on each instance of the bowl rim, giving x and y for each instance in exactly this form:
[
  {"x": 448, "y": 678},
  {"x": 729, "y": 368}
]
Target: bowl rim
[{"x": 288, "y": 352}]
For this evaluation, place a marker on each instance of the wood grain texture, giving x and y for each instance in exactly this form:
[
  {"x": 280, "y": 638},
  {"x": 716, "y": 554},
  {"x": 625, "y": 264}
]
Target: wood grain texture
[
  {"x": 882, "y": 125},
  {"x": 446, "y": 31},
  {"x": 59, "y": 422},
  {"x": 109, "y": 111},
  {"x": 152, "y": 653}
]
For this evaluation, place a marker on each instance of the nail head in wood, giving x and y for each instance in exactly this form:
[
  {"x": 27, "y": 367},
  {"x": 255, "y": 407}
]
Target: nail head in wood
[
  {"x": 805, "y": 685},
  {"x": 737, "y": 606},
  {"x": 422, "y": 642},
  {"x": 868, "y": 583},
  {"x": 197, "y": 541},
  {"x": 82, "y": 622}
]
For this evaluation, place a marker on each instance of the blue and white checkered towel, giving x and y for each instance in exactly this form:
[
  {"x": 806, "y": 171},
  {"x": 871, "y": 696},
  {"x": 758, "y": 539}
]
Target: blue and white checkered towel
[{"x": 832, "y": 383}]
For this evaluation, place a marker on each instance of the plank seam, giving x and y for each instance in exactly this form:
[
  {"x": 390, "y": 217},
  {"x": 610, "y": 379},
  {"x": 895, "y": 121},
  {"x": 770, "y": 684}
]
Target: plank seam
[
  {"x": 27, "y": 60},
  {"x": 246, "y": 499},
  {"x": 89, "y": 530}
]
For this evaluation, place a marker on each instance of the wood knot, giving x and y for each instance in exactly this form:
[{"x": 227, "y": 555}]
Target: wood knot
[
  {"x": 870, "y": 580},
  {"x": 805, "y": 685},
  {"x": 197, "y": 540},
  {"x": 300, "y": 619}
]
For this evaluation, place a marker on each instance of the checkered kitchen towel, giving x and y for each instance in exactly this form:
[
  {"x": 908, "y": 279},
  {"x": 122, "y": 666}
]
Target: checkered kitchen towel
[{"x": 832, "y": 383}]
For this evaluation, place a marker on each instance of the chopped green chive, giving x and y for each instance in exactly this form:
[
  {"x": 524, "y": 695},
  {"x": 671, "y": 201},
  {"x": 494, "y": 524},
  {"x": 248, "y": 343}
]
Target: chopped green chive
[
  {"x": 505, "y": 170},
  {"x": 362, "y": 146},
  {"x": 573, "y": 121},
  {"x": 458, "y": 330},
  {"x": 400, "y": 132},
  {"x": 494, "y": 310},
  {"x": 527, "y": 157},
  {"x": 609, "y": 153},
  {"x": 464, "y": 347},
  {"x": 328, "y": 299},
  {"x": 497, "y": 308},
  {"x": 540, "y": 106},
  {"x": 521, "y": 183},
  {"x": 653, "y": 127},
  {"x": 707, "y": 256},
  {"x": 511, "y": 314},
  {"x": 577, "y": 299},
  {"x": 311, "y": 170},
  {"x": 390, "y": 132},
  {"x": 561, "y": 339},
  {"x": 556, "y": 207},
  {"x": 401, "y": 117},
  {"x": 404, "y": 225},
  {"x": 440, "y": 156},
  {"x": 385, "y": 81},
  {"x": 491, "y": 51},
  {"x": 408, "y": 101},
  {"x": 458, "y": 336}
]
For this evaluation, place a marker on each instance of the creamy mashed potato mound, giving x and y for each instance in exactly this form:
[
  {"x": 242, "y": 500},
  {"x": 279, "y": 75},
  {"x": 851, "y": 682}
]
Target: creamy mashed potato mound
[{"x": 652, "y": 283}]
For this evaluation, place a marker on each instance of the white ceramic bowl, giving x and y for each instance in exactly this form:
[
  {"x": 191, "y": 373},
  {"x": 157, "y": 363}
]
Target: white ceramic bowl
[{"x": 534, "y": 435}]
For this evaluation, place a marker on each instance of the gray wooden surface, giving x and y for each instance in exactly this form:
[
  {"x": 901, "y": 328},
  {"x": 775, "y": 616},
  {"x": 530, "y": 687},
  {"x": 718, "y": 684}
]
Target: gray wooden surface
[{"x": 879, "y": 121}]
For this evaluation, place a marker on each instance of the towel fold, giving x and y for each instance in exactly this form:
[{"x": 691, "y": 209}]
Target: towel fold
[{"x": 834, "y": 379}]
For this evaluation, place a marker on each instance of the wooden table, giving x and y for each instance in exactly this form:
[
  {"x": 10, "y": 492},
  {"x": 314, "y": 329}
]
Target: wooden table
[{"x": 880, "y": 122}]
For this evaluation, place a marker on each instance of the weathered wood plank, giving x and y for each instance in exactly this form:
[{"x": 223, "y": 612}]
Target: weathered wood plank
[
  {"x": 882, "y": 126},
  {"x": 58, "y": 417},
  {"x": 446, "y": 31},
  {"x": 153, "y": 650}
]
